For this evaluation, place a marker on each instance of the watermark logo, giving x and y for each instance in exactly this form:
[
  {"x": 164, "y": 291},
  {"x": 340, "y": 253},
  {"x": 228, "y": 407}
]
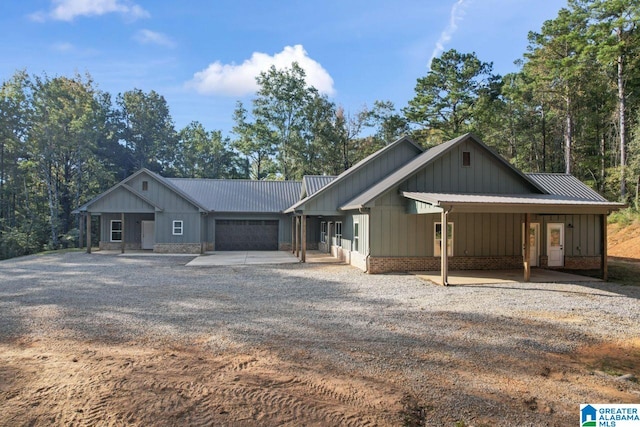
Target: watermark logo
[{"x": 614, "y": 415}]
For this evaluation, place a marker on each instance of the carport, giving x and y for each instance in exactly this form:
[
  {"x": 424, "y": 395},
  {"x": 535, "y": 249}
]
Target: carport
[{"x": 543, "y": 206}]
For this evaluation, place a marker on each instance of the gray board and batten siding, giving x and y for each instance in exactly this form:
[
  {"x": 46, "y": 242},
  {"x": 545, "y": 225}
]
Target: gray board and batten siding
[{"x": 358, "y": 178}]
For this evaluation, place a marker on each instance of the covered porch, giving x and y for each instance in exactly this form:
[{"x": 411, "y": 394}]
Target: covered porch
[{"x": 544, "y": 208}]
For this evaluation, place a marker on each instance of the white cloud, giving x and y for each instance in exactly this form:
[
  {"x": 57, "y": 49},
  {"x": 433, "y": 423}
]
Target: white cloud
[
  {"x": 238, "y": 80},
  {"x": 68, "y": 10},
  {"x": 152, "y": 37},
  {"x": 63, "y": 47},
  {"x": 457, "y": 13}
]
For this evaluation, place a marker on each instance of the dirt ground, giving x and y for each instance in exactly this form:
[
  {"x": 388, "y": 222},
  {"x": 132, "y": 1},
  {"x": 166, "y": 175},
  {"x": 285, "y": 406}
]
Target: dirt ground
[
  {"x": 53, "y": 380},
  {"x": 48, "y": 382}
]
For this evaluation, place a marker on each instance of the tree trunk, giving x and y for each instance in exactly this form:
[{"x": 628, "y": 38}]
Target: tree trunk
[
  {"x": 623, "y": 140},
  {"x": 567, "y": 138}
]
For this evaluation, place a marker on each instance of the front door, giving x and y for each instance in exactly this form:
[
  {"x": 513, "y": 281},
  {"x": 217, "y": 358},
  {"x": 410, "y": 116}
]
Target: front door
[
  {"x": 148, "y": 234},
  {"x": 555, "y": 245},
  {"x": 534, "y": 243}
]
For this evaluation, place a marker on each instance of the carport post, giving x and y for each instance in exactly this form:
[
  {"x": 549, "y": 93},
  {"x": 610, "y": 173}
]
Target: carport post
[
  {"x": 297, "y": 237},
  {"x": 88, "y": 221},
  {"x": 293, "y": 233},
  {"x": 603, "y": 247},
  {"x": 444, "y": 248},
  {"x": 122, "y": 238},
  {"x": 527, "y": 247},
  {"x": 303, "y": 238}
]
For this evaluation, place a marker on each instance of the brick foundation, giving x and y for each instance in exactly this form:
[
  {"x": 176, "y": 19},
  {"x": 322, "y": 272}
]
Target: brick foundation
[
  {"x": 582, "y": 262},
  {"x": 177, "y": 248},
  {"x": 116, "y": 246},
  {"x": 284, "y": 246},
  {"x": 400, "y": 264}
]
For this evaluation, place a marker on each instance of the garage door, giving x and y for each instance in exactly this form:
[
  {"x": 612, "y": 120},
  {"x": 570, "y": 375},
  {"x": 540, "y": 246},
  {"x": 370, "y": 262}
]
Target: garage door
[{"x": 246, "y": 235}]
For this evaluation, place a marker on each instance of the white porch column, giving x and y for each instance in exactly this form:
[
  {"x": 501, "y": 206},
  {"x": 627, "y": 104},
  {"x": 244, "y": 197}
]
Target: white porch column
[
  {"x": 88, "y": 224},
  {"x": 303, "y": 238},
  {"x": 444, "y": 249}
]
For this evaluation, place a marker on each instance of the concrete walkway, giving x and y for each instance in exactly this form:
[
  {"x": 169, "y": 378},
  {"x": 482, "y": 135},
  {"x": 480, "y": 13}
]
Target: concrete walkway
[
  {"x": 242, "y": 258},
  {"x": 480, "y": 277}
]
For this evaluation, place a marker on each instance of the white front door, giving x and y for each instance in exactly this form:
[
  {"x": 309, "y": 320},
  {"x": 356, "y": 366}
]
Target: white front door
[
  {"x": 148, "y": 234},
  {"x": 555, "y": 245},
  {"x": 534, "y": 243}
]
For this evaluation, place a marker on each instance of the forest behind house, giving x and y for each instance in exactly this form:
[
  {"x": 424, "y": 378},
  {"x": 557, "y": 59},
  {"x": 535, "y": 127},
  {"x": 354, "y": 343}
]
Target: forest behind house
[{"x": 573, "y": 107}]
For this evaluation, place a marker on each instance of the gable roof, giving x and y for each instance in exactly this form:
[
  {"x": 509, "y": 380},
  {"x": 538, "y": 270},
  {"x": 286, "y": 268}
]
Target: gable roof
[
  {"x": 422, "y": 160},
  {"x": 311, "y": 184},
  {"x": 240, "y": 195},
  {"x": 353, "y": 169}
]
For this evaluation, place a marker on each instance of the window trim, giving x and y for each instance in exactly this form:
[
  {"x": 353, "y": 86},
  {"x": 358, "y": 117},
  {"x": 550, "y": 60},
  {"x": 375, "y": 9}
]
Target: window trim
[
  {"x": 435, "y": 239},
  {"x": 111, "y": 230},
  {"x": 356, "y": 236},
  {"x": 145, "y": 185},
  {"x": 323, "y": 232},
  {"x": 177, "y": 230},
  {"x": 338, "y": 235}
]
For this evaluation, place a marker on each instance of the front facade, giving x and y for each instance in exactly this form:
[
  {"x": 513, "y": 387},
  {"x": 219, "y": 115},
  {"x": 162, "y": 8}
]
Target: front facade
[{"x": 384, "y": 214}]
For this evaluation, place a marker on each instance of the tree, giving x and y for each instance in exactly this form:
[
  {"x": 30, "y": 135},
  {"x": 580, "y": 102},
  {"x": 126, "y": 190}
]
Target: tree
[
  {"x": 615, "y": 37},
  {"x": 147, "y": 130},
  {"x": 446, "y": 98},
  {"x": 255, "y": 141}
]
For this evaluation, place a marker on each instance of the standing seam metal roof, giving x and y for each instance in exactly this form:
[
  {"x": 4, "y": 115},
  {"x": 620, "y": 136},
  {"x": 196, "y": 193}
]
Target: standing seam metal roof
[
  {"x": 561, "y": 184},
  {"x": 313, "y": 183},
  {"x": 237, "y": 195}
]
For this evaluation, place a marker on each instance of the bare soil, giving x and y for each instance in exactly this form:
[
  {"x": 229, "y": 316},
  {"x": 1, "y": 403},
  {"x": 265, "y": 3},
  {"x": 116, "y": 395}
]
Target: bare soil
[{"x": 56, "y": 377}]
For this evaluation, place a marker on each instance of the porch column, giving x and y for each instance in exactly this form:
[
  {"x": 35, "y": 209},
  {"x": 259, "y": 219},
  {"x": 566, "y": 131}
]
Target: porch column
[
  {"x": 603, "y": 247},
  {"x": 293, "y": 234},
  {"x": 81, "y": 229},
  {"x": 122, "y": 239},
  {"x": 88, "y": 221},
  {"x": 297, "y": 237},
  {"x": 444, "y": 273},
  {"x": 527, "y": 247},
  {"x": 303, "y": 238}
]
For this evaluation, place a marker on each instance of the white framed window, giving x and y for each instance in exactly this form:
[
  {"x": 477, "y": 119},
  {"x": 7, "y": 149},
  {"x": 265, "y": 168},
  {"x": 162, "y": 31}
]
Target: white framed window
[
  {"x": 437, "y": 239},
  {"x": 339, "y": 233},
  {"x": 115, "y": 230},
  {"x": 356, "y": 236},
  {"x": 178, "y": 227},
  {"x": 323, "y": 232}
]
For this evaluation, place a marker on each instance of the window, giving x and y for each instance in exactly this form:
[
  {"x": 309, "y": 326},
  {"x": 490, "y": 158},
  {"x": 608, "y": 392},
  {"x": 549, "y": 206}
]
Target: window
[
  {"x": 116, "y": 230},
  {"x": 145, "y": 185},
  {"x": 437, "y": 239},
  {"x": 339, "y": 233},
  {"x": 323, "y": 232},
  {"x": 177, "y": 227},
  {"x": 466, "y": 158},
  {"x": 356, "y": 236}
]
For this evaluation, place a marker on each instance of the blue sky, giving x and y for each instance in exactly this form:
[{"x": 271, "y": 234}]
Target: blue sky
[{"x": 203, "y": 55}]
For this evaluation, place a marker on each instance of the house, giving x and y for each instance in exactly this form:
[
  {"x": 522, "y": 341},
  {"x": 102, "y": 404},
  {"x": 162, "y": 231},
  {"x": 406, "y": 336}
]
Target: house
[{"x": 384, "y": 214}]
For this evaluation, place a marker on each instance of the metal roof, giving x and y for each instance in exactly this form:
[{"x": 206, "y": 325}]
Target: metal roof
[
  {"x": 239, "y": 195},
  {"x": 561, "y": 184},
  {"x": 416, "y": 164},
  {"x": 313, "y": 183},
  {"x": 344, "y": 175},
  {"x": 438, "y": 199}
]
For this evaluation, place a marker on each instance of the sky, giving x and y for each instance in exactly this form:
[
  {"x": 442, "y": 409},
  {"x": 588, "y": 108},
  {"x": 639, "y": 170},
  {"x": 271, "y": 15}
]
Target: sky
[{"x": 203, "y": 55}]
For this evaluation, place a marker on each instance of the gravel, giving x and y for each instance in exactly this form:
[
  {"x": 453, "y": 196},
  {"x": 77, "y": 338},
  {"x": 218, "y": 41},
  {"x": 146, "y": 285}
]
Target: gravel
[{"x": 373, "y": 324}]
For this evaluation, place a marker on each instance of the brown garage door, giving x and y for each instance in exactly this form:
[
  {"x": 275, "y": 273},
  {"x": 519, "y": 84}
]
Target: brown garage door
[{"x": 246, "y": 235}]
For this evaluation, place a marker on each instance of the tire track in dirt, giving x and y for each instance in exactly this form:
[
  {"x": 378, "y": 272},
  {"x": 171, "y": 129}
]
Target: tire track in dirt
[{"x": 120, "y": 385}]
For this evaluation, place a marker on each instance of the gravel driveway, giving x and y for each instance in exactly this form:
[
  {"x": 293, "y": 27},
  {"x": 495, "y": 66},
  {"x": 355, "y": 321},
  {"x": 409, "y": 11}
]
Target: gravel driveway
[{"x": 473, "y": 354}]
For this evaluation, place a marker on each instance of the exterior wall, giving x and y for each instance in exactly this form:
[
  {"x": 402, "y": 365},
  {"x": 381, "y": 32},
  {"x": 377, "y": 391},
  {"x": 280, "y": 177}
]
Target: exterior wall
[
  {"x": 360, "y": 180},
  {"x": 121, "y": 200},
  {"x": 191, "y": 227},
  {"x": 486, "y": 174},
  {"x": 582, "y": 234},
  {"x": 132, "y": 230}
]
